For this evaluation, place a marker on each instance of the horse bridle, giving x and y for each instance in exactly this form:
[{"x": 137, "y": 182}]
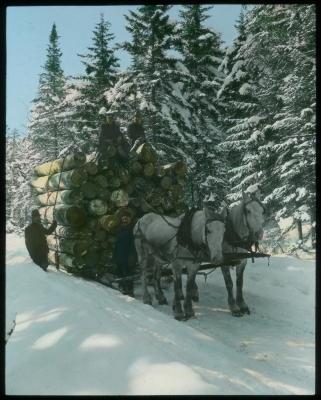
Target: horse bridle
[{"x": 245, "y": 243}]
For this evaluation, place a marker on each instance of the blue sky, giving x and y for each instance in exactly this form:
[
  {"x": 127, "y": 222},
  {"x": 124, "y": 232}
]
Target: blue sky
[{"x": 28, "y": 30}]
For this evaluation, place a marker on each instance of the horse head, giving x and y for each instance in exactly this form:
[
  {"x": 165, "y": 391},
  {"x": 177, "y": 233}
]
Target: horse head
[
  {"x": 214, "y": 231},
  {"x": 253, "y": 214}
]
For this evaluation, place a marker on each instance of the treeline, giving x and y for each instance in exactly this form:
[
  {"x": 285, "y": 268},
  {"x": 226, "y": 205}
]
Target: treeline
[{"x": 237, "y": 116}]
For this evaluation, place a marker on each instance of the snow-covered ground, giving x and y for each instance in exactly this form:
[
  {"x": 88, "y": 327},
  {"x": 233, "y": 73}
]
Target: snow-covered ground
[{"x": 75, "y": 337}]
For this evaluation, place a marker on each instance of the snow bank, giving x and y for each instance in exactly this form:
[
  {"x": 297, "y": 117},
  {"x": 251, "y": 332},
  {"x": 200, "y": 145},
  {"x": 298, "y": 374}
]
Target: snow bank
[{"x": 75, "y": 337}]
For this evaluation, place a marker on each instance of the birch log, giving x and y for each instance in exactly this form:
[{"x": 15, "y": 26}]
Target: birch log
[{"x": 52, "y": 167}]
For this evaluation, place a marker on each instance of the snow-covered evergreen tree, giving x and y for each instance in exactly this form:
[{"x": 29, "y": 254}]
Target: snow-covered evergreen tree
[
  {"x": 153, "y": 83},
  {"x": 200, "y": 48},
  {"x": 80, "y": 111},
  {"x": 241, "y": 117},
  {"x": 20, "y": 159},
  {"x": 44, "y": 128}
]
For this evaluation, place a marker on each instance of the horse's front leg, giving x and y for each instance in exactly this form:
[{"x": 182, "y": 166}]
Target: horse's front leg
[
  {"x": 178, "y": 293},
  {"x": 192, "y": 269},
  {"x": 147, "y": 265},
  {"x": 157, "y": 284},
  {"x": 236, "y": 312},
  {"x": 239, "y": 288}
]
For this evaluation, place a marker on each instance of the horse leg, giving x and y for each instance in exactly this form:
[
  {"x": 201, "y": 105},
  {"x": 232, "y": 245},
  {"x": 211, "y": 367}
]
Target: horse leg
[
  {"x": 177, "y": 307},
  {"x": 143, "y": 260},
  {"x": 229, "y": 287},
  {"x": 157, "y": 285},
  {"x": 190, "y": 286},
  {"x": 195, "y": 295},
  {"x": 239, "y": 288}
]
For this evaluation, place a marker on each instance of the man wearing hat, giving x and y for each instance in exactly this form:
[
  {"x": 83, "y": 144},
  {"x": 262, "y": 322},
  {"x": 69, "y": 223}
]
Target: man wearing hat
[
  {"x": 136, "y": 131},
  {"x": 124, "y": 255},
  {"x": 110, "y": 134},
  {"x": 35, "y": 239}
]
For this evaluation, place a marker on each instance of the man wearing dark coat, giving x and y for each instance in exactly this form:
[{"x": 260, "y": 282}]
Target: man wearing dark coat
[
  {"x": 35, "y": 239},
  {"x": 110, "y": 134},
  {"x": 124, "y": 255},
  {"x": 136, "y": 132}
]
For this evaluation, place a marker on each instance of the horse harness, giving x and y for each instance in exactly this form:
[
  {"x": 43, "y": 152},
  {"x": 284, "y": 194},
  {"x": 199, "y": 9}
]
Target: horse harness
[
  {"x": 198, "y": 251},
  {"x": 233, "y": 239}
]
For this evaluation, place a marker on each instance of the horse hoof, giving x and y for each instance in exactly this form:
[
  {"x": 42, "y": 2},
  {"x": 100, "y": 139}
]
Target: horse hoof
[
  {"x": 179, "y": 317},
  {"x": 162, "y": 301},
  {"x": 245, "y": 311}
]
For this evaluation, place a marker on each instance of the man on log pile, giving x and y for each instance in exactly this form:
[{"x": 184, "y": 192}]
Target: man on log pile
[
  {"x": 125, "y": 256},
  {"x": 136, "y": 131},
  {"x": 111, "y": 135},
  {"x": 35, "y": 239}
]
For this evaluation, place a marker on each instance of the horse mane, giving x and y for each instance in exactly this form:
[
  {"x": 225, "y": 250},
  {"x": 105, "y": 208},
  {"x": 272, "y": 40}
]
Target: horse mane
[{"x": 184, "y": 233}]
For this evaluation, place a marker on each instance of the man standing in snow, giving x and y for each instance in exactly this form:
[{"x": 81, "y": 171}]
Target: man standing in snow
[
  {"x": 125, "y": 255},
  {"x": 35, "y": 239}
]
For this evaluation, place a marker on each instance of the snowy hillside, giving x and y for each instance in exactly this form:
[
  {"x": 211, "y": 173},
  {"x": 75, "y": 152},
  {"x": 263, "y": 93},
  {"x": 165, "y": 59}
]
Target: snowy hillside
[{"x": 74, "y": 337}]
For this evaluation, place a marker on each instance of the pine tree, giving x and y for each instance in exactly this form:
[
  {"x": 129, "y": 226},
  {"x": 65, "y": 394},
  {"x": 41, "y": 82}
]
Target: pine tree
[
  {"x": 85, "y": 98},
  {"x": 153, "y": 83},
  {"x": 200, "y": 48},
  {"x": 241, "y": 117},
  {"x": 44, "y": 128}
]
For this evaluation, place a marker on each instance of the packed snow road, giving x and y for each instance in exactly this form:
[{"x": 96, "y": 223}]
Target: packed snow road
[{"x": 69, "y": 336}]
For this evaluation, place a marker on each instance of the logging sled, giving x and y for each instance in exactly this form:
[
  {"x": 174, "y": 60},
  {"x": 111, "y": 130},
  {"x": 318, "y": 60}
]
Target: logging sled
[{"x": 89, "y": 195}]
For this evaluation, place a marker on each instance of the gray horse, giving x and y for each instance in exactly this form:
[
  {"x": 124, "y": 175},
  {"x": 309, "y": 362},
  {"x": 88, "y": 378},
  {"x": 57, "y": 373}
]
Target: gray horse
[
  {"x": 156, "y": 244},
  {"x": 244, "y": 228}
]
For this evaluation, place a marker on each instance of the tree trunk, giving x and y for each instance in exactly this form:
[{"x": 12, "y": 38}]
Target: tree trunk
[
  {"x": 52, "y": 167},
  {"x": 66, "y": 180},
  {"x": 91, "y": 168},
  {"x": 97, "y": 207},
  {"x": 77, "y": 248},
  {"x": 64, "y": 215},
  {"x": 89, "y": 190},
  {"x": 72, "y": 197}
]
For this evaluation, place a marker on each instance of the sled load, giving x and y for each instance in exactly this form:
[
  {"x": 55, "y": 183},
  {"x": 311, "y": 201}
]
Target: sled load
[{"x": 87, "y": 198}]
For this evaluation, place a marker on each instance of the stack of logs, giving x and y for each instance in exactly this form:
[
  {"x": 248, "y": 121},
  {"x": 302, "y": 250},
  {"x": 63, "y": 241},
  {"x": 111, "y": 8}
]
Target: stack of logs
[{"x": 87, "y": 199}]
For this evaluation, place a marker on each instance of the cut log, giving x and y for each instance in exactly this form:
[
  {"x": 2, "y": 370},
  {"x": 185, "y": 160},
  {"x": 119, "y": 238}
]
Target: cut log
[
  {"x": 149, "y": 169},
  {"x": 89, "y": 190},
  {"x": 91, "y": 168},
  {"x": 101, "y": 181},
  {"x": 123, "y": 175},
  {"x": 59, "y": 197},
  {"x": 92, "y": 257},
  {"x": 97, "y": 207},
  {"x": 73, "y": 247},
  {"x": 135, "y": 167},
  {"x": 109, "y": 223},
  {"x": 120, "y": 198},
  {"x": 166, "y": 182},
  {"x": 65, "y": 180},
  {"x": 180, "y": 168},
  {"x": 146, "y": 153},
  {"x": 73, "y": 233},
  {"x": 64, "y": 215},
  {"x": 52, "y": 167}
]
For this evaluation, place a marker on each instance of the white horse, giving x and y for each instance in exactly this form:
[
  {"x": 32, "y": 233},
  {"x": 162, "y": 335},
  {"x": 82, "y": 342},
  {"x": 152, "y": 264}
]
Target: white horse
[
  {"x": 156, "y": 244},
  {"x": 244, "y": 228}
]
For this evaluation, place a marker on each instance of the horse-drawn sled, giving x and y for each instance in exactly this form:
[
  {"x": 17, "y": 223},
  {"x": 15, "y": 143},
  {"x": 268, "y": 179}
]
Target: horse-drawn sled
[{"x": 192, "y": 244}]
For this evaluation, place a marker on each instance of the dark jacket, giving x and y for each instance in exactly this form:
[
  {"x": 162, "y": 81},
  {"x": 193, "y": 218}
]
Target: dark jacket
[
  {"x": 125, "y": 250},
  {"x": 36, "y": 243},
  {"x": 136, "y": 131}
]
